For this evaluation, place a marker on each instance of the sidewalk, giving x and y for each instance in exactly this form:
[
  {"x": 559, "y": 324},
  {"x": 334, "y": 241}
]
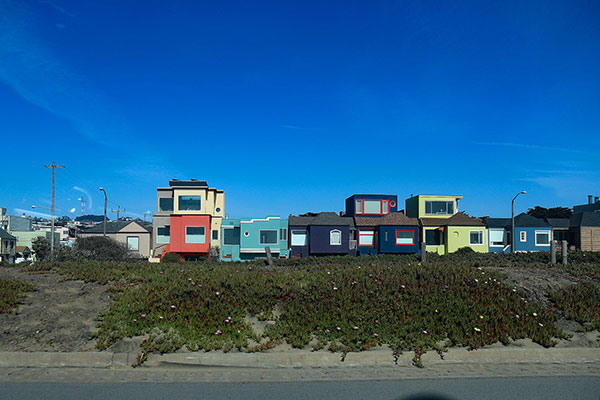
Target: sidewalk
[{"x": 300, "y": 358}]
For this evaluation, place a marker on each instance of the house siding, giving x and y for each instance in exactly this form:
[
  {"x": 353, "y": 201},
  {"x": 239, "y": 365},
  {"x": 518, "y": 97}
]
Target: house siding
[
  {"x": 529, "y": 244},
  {"x": 319, "y": 243},
  {"x": 389, "y": 246}
]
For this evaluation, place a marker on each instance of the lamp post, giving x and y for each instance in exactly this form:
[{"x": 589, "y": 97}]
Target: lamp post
[
  {"x": 105, "y": 201},
  {"x": 512, "y": 235},
  {"x": 51, "y": 230}
]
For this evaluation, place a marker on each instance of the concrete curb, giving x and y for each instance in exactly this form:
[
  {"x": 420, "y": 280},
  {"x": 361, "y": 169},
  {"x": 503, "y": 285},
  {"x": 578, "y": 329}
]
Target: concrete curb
[
  {"x": 298, "y": 358},
  {"x": 14, "y": 359},
  {"x": 380, "y": 357}
]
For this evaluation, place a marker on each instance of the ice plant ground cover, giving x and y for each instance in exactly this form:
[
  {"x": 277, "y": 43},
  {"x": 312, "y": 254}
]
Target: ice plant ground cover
[
  {"x": 11, "y": 293},
  {"x": 580, "y": 302},
  {"x": 339, "y": 304}
]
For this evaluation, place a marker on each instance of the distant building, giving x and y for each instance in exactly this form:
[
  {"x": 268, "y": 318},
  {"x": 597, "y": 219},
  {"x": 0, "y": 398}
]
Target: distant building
[
  {"x": 585, "y": 231},
  {"x": 8, "y": 247},
  {"x": 19, "y": 223},
  {"x": 134, "y": 235},
  {"x": 26, "y": 238},
  {"x": 3, "y": 219},
  {"x": 593, "y": 205}
]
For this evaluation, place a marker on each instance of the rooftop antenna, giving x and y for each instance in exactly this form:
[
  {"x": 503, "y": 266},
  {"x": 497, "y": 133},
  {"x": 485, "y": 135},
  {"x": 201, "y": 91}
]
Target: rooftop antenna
[{"x": 82, "y": 200}]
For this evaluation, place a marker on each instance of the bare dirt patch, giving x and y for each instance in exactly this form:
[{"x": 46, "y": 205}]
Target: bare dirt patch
[{"x": 58, "y": 316}]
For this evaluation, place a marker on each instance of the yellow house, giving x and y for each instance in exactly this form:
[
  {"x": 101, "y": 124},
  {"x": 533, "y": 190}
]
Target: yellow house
[
  {"x": 446, "y": 235},
  {"x": 443, "y": 229}
]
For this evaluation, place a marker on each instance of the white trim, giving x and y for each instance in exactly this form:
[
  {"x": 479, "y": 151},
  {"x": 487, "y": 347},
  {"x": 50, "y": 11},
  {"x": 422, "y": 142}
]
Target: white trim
[
  {"x": 259, "y": 219},
  {"x": 244, "y": 250},
  {"x": 482, "y": 238},
  {"x": 522, "y": 236},
  {"x": 549, "y": 238},
  {"x": 335, "y": 231},
  {"x": 299, "y": 232},
  {"x": 489, "y": 237}
]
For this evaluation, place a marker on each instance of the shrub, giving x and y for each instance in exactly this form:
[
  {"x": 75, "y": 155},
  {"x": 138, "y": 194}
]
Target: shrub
[
  {"x": 11, "y": 293},
  {"x": 171, "y": 258},
  {"x": 580, "y": 302},
  {"x": 41, "y": 248},
  {"x": 100, "y": 248}
]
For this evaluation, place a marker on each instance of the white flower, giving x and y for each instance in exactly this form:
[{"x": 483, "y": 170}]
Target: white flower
[{"x": 477, "y": 329}]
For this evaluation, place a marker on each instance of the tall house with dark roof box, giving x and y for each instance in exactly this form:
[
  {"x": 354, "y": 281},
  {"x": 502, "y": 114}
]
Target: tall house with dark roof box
[{"x": 188, "y": 219}]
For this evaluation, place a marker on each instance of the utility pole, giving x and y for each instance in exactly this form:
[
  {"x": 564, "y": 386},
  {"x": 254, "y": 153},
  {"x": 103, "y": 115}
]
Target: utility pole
[
  {"x": 118, "y": 210},
  {"x": 105, "y": 201},
  {"x": 53, "y": 166},
  {"x": 82, "y": 200},
  {"x": 513, "y": 240}
]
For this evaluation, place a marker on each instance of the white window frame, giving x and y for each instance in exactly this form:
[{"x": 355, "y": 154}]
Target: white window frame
[
  {"x": 490, "y": 242},
  {"x": 549, "y": 233},
  {"x": 481, "y": 237},
  {"x": 522, "y": 236},
  {"x": 137, "y": 243},
  {"x": 366, "y": 232},
  {"x": 299, "y": 232},
  {"x": 331, "y": 234}
]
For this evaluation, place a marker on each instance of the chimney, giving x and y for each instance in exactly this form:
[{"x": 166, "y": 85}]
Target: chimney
[{"x": 590, "y": 197}]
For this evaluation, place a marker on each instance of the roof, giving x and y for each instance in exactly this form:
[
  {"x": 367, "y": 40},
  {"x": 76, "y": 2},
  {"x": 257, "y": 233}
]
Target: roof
[
  {"x": 323, "y": 218},
  {"x": 458, "y": 219},
  {"x": 558, "y": 222},
  {"x": 396, "y": 218},
  {"x": 6, "y": 235},
  {"x": 21, "y": 249},
  {"x": 585, "y": 219},
  {"x": 191, "y": 182},
  {"x": 496, "y": 222},
  {"x": 525, "y": 220},
  {"x": 112, "y": 227}
]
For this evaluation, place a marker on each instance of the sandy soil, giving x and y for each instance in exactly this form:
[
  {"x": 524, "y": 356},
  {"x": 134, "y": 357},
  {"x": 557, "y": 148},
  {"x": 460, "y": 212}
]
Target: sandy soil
[
  {"x": 61, "y": 315},
  {"x": 58, "y": 316}
]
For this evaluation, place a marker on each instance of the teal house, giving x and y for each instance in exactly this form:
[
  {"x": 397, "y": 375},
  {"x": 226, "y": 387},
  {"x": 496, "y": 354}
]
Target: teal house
[{"x": 247, "y": 238}]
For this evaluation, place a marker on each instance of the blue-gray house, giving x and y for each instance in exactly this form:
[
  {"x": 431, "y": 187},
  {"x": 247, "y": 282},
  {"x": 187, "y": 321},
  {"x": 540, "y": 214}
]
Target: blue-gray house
[
  {"x": 531, "y": 233},
  {"x": 321, "y": 234},
  {"x": 498, "y": 234},
  {"x": 393, "y": 233}
]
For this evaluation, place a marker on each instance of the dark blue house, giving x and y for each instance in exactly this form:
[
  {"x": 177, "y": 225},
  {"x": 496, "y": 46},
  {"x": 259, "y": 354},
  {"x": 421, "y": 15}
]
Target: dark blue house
[
  {"x": 393, "y": 233},
  {"x": 371, "y": 205},
  {"x": 322, "y": 234}
]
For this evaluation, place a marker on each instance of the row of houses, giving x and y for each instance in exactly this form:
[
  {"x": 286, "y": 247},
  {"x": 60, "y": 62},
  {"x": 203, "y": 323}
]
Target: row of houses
[{"x": 190, "y": 221}]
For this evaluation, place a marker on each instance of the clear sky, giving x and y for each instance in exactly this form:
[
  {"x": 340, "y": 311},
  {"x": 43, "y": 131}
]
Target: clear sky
[{"x": 293, "y": 106}]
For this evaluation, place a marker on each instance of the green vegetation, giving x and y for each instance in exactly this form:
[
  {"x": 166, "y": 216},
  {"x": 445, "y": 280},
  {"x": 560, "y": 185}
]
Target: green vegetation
[
  {"x": 341, "y": 304},
  {"x": 580, "y": 302},
  {"x": 11, "y": 293}
]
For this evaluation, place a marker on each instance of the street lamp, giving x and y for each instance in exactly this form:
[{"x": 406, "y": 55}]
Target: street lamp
[
  {"x": 105, "y": 201},
  {"x": 512, "y": 235},
  {"x": 51, "y": 230}
]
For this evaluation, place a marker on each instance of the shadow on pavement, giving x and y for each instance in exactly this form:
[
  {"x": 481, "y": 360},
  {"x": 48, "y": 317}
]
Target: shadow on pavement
[{"x": 425, "y": 396}]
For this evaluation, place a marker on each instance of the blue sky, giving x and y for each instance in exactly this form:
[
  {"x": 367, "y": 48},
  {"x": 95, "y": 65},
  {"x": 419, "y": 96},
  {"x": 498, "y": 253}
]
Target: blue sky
[{"x": 292, "y": 107}]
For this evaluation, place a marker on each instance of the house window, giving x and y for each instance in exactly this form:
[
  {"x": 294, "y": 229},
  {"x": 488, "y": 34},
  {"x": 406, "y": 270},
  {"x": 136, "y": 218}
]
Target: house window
[
  {"x": 165, "y": 204},
  {"x": 523, "y": 236},
  {"x": 335, "y": 238},
  {"x": 372, "y": 207},
  {"x": 366, "y": 237},
  {"x": 439, "y": 207},
  {"x": 542, "y": 238},
  {"x": 475, "y": 237},
  {"x": 434, "y": 237},
  {"x": 163, "y": 234},
  {"x": 405, "y": 237},
  {"x": 496, "y": 238},
  {"x": 215, "y": 235},
  {"x": 195, "y": 234},
  {"x": 133, "y": 243},
  {"x": 299, "y": 238},
  {"x": 231, "y": 236},
  {"x": 190, "y": 203},
  {"x": 268, "y": 236},
  {"x": 359, "y": 206},
  {"x": 283, "y": 234}
]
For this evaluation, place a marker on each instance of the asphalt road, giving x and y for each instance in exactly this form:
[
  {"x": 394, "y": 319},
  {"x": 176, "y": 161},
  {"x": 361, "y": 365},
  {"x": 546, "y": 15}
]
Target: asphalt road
[{"x": 546, "y": 388}]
